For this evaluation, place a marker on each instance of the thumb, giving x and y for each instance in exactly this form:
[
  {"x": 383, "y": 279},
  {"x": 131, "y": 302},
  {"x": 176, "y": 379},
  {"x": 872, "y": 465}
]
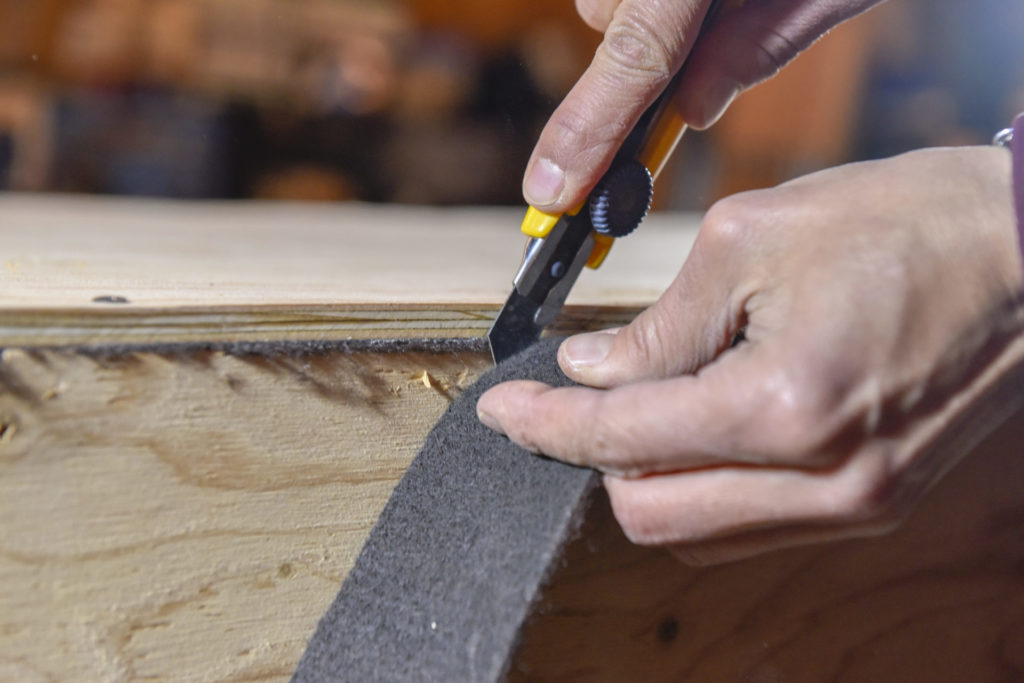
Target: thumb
[{"x": 684, "y": 330}]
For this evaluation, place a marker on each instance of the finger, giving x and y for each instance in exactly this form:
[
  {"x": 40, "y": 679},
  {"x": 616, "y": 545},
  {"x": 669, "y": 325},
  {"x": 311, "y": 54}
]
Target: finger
[
  {"x": 723, "y": 513},
  {"x": 692, "y": 322},
  {"x": 752, "y": 543},
  {"x": 597, "y": 13},
  {"x": 667, "y": 425},
  {"x": 643, "y": 46},
  {"x": 748, "y": 43},
  {"x": 667, "y": 340}
]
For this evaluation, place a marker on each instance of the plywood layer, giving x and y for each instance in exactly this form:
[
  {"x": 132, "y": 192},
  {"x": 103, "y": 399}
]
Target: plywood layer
[
  {"x": 87, "y": 271},
  {"x": 189, "y": 515}
]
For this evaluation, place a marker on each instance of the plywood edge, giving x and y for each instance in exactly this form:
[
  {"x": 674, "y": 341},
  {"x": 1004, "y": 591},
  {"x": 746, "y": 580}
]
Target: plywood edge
[{"x": 253, "y": 324}]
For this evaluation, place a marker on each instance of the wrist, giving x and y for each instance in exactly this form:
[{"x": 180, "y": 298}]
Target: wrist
[{"x": 1013, "y": 139}]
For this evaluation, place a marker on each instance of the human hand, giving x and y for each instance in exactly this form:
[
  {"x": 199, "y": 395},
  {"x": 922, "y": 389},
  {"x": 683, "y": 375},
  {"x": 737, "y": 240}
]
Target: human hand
[
  {"x": 645, "y": 43},
  {"x": 881, "y": 307}
]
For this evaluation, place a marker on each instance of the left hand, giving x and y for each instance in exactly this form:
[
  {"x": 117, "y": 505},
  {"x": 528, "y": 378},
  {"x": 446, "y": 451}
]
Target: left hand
[{"x": 881, "y": 304}]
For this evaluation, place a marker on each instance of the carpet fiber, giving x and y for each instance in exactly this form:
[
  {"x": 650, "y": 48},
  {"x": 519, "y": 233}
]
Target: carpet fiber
[{"x": 447, "y": 576}]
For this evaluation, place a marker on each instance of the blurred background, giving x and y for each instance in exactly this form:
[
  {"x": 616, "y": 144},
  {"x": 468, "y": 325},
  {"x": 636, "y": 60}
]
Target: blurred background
[{"x": 439, "y": 101}]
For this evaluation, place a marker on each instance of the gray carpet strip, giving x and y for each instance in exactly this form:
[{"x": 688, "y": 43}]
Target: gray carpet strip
[{"x": 447, "y": 576}]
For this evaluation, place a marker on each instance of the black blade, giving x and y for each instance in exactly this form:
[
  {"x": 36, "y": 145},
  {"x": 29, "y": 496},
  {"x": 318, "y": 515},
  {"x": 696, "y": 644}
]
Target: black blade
[
  {"x": 515, "y": 328},
  {"x": 542, "y": 287}
]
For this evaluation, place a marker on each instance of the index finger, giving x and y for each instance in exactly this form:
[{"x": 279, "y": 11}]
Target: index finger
[
  {"x": 723, "y": 415},
  {"x": 643, "y": 46}
]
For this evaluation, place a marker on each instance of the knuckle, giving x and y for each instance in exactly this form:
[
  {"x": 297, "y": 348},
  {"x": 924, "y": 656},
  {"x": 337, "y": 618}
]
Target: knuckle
[
  {"x": 871, "y": 495},
  {"x": 595, "y": 13},
  {"x": 519, "y": 430},
  {"x": 604, "y": 434},
  {"x": 645, "y": 342},
  {"x": 806, "y": 440},
  {"x": 578, "y": 136},
  {"x": 797, "y": 421},
  {"x": 730, "y": 222},
  {"x": 754, "y": 51},
  {"x": 569, "y": 126},
  {"x": 633, "y": 44},
  {"x": 772, "y": 50},
  {"x": 640, "y": 525},
  {"x": 609, "y": 441}
]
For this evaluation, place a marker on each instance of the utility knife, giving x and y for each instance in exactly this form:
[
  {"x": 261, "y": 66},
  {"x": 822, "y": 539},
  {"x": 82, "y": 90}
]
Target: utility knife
[{"x": 561, "y": 245}]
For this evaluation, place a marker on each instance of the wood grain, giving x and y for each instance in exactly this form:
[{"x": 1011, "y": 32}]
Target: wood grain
[
  {"x": 939, "y": 600},
  {"x": 80, "y": 271},
  {"x": 189, "y": 516}
]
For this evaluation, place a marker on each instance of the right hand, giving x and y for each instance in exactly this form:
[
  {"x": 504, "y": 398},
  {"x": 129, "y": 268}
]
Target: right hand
[{"x": 645, "y": 43}]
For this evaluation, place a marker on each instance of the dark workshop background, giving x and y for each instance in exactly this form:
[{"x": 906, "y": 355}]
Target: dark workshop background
[{"x": 440, "y": 101}]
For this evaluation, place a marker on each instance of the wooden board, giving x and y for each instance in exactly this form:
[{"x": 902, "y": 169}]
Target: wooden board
[
  {"x": 205, "y": 272},
  {"x": 190, "y": 515},
  {"x": 186, "y": 477},
  {"x": 940, "y": 600}
]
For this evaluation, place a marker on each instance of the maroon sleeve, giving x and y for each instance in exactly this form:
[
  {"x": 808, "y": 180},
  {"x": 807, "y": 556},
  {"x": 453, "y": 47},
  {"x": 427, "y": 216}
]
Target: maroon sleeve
[{"x": 1018, "y": 178}]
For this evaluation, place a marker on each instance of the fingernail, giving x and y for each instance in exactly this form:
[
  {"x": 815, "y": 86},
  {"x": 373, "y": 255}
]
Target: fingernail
[
  {"x": 544, "y": 183},
  {"x": 585, "y": 350},
  {"x": 489, "y": 421}
]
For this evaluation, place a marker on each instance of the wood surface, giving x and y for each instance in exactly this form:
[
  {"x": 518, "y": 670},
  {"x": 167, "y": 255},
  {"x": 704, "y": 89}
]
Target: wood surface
[
  {"x": 939, "y": 600},
  {"x": 204, "y": 406},
  {"x": 186, "y": 477},
  {"x": 93, "y": 271},
  {"x": 190, "y": 515}
]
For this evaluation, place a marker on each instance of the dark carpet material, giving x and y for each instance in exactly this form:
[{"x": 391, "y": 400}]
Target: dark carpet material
[{"x": 449, "y": 572}]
